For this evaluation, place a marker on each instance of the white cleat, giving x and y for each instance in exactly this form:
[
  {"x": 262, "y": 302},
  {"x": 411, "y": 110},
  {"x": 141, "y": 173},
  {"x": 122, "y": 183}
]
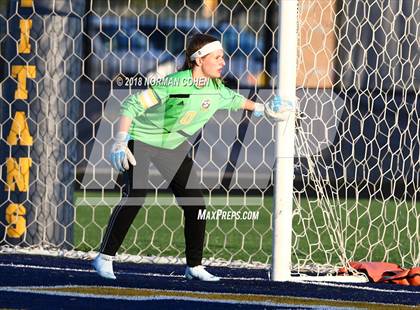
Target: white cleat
[
  {"x": 103, "y": 266},
  {"x": 198, "y": 272}
]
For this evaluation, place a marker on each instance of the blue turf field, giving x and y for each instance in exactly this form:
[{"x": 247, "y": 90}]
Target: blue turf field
[{"x": 41, "y": 282}]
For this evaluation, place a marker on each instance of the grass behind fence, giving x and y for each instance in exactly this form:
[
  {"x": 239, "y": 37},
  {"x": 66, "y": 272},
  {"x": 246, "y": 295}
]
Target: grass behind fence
[{"x": 364, "y": 230}]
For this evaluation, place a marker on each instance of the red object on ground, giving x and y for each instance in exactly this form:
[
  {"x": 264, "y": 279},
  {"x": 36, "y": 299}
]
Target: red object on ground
[{"x": 380, "y": 272}]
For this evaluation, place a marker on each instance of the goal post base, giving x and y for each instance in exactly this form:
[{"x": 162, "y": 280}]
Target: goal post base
[{"x": 336, "y": 279}]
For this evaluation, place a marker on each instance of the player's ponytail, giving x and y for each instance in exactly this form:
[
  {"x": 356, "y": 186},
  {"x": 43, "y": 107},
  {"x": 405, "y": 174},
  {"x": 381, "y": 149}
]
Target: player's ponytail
[{"x": 194, "y": 43}]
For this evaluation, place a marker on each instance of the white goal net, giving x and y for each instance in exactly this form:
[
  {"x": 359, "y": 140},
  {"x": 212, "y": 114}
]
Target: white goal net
[{"x": 65, "y": 68}]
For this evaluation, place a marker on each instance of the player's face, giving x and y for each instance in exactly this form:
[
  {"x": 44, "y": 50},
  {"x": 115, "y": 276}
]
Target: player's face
[{"x": 212, "y": 64}]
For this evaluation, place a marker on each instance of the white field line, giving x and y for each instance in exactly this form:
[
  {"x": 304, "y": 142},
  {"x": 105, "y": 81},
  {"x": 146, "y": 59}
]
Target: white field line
[{"x": 36, "y": 290}]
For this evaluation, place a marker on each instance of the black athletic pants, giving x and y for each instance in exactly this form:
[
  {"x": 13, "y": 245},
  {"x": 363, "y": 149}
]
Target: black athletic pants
[{"x": 176, "y": 166}]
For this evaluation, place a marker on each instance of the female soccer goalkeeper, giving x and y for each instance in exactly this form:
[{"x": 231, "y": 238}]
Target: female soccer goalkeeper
[{"x": 161, "y": 119}]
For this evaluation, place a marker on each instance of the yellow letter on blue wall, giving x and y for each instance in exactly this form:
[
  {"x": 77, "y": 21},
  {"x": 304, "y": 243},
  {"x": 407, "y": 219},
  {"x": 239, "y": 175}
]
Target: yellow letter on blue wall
[
  {"x": 16, "y": 220},
  {"x": 25, "y": 26},
  {"x": 19, "y": 130},
  {"x": 26, "y": 3},
  {"x": 18, "y": 174},
  {"x": 23, "y": 72}
]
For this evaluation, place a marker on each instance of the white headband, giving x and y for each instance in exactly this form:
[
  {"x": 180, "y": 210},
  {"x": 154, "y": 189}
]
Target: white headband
[{"x": 207, "y": 49}]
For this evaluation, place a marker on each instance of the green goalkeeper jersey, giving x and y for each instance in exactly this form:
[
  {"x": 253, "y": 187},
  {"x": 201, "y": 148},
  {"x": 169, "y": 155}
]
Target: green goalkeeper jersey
[{"x": 173, "y": 109}]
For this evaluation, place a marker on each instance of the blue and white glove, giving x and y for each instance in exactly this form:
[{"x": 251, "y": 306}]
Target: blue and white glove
[
  {"x": 277, "y": 109},
  {"x": 121, "y": 155},
  {"x": 258, "y": 110}
]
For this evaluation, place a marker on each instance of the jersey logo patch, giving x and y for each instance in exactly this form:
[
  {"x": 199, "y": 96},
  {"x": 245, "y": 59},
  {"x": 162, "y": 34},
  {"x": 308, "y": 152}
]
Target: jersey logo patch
[
  {"x": 148, "y": 98},
  {"x": 205, "y": 104}
]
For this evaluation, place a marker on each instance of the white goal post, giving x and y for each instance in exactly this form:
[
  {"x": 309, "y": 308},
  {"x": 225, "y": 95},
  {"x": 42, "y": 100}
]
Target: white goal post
[
  {"x": 285, "y": 144},
  {"x": 337, "y": 182}
]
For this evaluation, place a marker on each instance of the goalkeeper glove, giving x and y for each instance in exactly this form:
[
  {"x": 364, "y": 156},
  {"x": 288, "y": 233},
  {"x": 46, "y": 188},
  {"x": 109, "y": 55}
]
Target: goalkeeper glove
[
  {"x": 277, "y": 109},
  {"x": 121, "y": 155}
]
